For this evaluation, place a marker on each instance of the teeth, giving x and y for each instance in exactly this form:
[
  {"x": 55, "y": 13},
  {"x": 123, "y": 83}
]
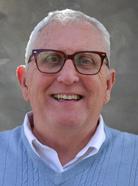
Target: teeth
[{"x": 66, "y": 97}]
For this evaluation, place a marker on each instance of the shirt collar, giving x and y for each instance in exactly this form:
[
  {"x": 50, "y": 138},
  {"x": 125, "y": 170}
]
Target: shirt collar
[
  {"x": 90, "y": 149},
  {"x": 27, "y": 130},
  {"x": 96, "y": 140}
]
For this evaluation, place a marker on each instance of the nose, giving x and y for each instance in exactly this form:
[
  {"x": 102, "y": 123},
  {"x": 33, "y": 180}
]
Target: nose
[{"x": 68, "y": 75}]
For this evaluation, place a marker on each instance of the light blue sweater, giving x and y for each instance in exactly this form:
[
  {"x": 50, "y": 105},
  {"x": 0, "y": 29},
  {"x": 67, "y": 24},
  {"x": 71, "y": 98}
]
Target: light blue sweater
[{"x": 116, "y": 164}]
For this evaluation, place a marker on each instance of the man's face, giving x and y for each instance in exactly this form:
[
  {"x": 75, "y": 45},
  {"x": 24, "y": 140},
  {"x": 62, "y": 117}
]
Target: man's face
[{"x": 95, "y": 90}]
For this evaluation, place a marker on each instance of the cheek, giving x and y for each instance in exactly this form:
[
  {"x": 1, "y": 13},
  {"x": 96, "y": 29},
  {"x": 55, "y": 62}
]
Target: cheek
[
  {"x": 38, "y": 85},
  {"x": 33, "y": 85},
  {"x": 92, "y": 84},
  {"x": 96, "y": 88}
]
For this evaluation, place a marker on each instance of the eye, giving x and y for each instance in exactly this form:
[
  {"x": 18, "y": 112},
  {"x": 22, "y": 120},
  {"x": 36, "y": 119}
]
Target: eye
[
  {"x": 85, "y": 61},
  {"x": 50, "y": 58},
  {"x": 54, "y": 58}
]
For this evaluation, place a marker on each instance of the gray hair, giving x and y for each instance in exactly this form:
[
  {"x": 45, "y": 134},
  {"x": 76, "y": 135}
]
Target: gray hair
[{"x": 65, "y": 16}]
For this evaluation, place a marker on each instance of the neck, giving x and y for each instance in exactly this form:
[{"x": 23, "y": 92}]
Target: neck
[{"x": 66, "y": 143}]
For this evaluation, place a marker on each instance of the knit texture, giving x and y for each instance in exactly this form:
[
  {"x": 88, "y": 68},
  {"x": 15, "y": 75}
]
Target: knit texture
[{"x": 116, "y": 164}]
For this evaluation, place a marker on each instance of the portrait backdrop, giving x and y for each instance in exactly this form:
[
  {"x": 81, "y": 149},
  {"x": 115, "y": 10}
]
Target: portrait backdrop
[{"x": 17, "y": 19}]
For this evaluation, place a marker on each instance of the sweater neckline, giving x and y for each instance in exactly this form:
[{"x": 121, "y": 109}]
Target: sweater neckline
[{"x": 56, "y": 177}]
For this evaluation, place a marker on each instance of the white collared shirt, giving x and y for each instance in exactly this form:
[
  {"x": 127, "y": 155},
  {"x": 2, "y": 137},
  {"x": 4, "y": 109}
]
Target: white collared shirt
[{"x": 50, "y": 156}]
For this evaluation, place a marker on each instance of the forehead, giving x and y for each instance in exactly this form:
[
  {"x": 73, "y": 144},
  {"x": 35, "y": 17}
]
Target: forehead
[{"x": 70, "y": 37}]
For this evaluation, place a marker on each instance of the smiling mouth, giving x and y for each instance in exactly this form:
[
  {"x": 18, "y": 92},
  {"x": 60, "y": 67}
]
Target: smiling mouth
[{"x": 67, "y": 97}]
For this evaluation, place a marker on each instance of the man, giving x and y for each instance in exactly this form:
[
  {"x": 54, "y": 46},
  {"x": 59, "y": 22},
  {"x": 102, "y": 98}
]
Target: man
[{"x": 64, "y": 141}]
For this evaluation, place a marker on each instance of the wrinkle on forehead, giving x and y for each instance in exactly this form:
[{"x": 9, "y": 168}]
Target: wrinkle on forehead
[{"x": 72, "y": 36}]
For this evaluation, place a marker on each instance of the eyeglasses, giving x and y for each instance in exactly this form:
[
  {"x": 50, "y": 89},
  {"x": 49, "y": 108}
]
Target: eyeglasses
[{"x": 85, "y": 62}]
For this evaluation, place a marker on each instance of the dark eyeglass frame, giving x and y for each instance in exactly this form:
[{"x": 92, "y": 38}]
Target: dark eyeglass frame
[{"x": 103, "y": 56}]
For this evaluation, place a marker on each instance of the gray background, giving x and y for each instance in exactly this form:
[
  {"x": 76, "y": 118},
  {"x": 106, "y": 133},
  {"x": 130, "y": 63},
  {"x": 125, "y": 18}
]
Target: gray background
[{"x": 17, "y": 19}]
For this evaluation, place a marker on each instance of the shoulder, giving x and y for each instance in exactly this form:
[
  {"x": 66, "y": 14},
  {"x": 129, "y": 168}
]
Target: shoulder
[
  {"x": 118, "y": 133},
  {"x": 10, "y": 137},
  {"x": 122, "y": 139},
  {"x": 12, "y": 132}
]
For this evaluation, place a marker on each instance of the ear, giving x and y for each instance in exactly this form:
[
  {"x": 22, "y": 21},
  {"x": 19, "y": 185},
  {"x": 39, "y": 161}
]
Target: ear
[
  {"x": 21, "y": 76},
  {"x": 110, "y": 83}
]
